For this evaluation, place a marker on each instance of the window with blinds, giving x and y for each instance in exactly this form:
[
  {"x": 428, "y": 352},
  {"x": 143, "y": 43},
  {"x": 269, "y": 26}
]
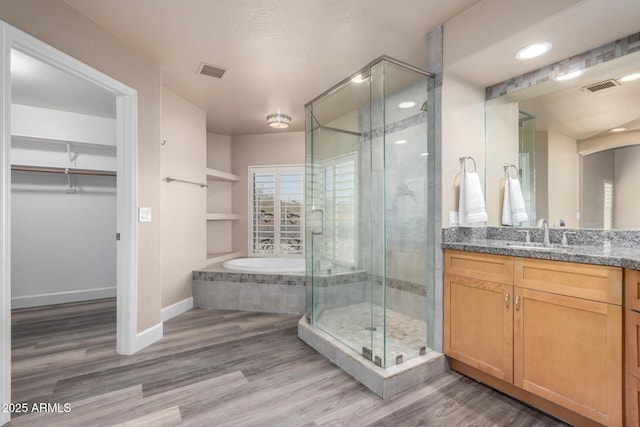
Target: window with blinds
[
  {"x": 340, "y": 203},
  {"x": 277, "y": 203}
]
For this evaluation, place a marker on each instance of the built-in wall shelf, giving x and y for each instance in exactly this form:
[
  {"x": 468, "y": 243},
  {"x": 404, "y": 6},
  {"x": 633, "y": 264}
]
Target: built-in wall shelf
[
  {"x": 217, "y": 175},
  {"x": 222, "y": 217},
  {"x": 219, "y": 257}
]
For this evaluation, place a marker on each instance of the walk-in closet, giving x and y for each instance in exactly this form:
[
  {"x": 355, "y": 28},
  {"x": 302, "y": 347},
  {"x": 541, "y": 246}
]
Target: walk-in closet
[{"x": 63, "y": 186}]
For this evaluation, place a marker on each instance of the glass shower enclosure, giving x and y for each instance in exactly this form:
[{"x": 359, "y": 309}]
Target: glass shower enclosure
[{"x": 370, "y": 212}]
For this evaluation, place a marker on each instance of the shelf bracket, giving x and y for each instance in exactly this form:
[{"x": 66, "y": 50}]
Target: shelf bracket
[{"x": 72, "y": 154}]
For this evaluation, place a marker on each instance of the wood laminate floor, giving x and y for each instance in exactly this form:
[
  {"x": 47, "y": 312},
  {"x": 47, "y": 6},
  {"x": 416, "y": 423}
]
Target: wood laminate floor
[{"x": 219, "y": 368}]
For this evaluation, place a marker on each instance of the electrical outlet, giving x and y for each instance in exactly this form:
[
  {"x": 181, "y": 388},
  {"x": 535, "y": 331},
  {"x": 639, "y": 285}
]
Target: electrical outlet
[
  {"x": 453, "y": 219},
  {"x": 144, "y": 214}
]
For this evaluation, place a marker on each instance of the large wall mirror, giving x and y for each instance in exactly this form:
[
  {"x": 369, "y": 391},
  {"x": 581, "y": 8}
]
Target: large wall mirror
[{"x": 575, "y": 145}]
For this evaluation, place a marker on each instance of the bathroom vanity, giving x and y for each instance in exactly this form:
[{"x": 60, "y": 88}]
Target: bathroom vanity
[{"x": 547, "y": 327}]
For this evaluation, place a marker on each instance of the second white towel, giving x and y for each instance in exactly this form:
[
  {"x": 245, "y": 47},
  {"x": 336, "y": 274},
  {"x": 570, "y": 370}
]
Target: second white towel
[{"x": 514, "y": 210}]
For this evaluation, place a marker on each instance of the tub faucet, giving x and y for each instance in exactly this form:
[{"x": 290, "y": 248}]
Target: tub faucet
[{"x": 544, "y": 224}]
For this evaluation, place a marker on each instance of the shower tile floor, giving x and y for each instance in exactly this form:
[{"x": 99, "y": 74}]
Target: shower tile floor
[{"x": 405, "y": 335}]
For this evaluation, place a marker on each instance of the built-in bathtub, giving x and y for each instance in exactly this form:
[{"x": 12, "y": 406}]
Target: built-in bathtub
[
  {"x": 268, "y": 285},
  {"x": 267, "y": 265}
]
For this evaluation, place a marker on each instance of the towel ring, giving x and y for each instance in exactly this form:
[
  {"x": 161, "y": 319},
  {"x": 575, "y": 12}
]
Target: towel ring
[
  {"x": 506, "y": 168},
  {"x": 463, "y": 163}
]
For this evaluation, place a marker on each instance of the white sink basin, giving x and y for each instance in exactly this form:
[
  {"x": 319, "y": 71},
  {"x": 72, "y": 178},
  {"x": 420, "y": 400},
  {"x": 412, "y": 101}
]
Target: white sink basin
[{"x": 535, "y": 248}]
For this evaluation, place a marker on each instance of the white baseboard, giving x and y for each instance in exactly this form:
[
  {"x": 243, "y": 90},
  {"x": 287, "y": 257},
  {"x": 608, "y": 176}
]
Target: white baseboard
[
  {"x": 148, "y": 337},
  {"x": 175, "y": 309},
  {"x": 62, "y": 297}
]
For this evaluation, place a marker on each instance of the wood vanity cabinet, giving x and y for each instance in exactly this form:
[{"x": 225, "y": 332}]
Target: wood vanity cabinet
[
  {"x": 478, "y": 327},
  {"x": 632, "y": 342},
  {"x": 561, "y": 328}
]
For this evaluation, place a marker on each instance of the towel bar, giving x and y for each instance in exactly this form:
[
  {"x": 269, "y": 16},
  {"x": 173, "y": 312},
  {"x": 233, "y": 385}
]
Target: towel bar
[
  {"x": 463, "y": 163},
  {"x": 506, "y": 170}
]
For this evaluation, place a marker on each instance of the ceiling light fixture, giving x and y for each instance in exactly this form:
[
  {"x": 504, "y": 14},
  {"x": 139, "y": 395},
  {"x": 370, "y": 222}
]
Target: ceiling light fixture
[
  {"x": 401, "y": 141},
  {"x": 618, "y": 130},
  {"x": 569, "y": 76},
  {"x": 406, "y": 104},
  {"x": 629, "y": 78},
  {"x": 425, "y": 154},
  {"x": 533, "y": 50},
  {"x": 278, "y": 121},
  {"x": 359, "y": 78}
]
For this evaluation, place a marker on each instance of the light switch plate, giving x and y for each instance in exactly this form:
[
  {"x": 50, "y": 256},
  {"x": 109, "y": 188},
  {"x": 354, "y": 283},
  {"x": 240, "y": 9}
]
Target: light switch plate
[{"x": 144, "y": 214}]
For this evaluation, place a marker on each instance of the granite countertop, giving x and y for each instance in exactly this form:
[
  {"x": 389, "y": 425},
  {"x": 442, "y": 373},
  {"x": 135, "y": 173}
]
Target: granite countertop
[{"x": 606, "y": 254}]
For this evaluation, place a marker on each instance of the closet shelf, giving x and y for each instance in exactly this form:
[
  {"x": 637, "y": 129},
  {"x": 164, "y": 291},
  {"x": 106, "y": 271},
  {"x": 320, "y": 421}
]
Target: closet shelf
[
  {"x": 222, "y": 216},
  {"x": 26, "y": 139},
  {"x": 218, "y": 175},
  {"x": 216, "y": 258}
]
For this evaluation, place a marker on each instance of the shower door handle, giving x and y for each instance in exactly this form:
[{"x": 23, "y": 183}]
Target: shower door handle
[{"x": 313, "y": 230}]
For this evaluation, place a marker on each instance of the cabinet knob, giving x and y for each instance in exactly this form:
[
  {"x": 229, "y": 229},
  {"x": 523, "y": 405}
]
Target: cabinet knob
[
  {"x": 517, "y": 303},
  {"x": 506, "y": 300}
]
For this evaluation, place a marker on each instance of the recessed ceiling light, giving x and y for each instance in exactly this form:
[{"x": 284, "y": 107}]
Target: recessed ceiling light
[
  {"x": 406, "y": 104},
  {"x": 569, "y": 76},
  {"x": 618, "y": 130},
  {"x": 401, "y": 141},
  {"x": 424, "y": 154},
  {"x": 629, "y": 77},
  {"x": 533, "y": 50}
]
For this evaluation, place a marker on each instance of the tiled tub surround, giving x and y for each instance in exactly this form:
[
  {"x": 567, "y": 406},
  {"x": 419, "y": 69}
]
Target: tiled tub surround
[
  {"x": 217, "y": 287},
  {"x": 617, "y": 248}
]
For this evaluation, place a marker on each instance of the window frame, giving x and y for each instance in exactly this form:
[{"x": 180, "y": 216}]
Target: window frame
[{"x": 276, "y": 170}]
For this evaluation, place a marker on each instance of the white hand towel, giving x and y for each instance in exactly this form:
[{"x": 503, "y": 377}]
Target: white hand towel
[
  {"x": 462, "y": 213},
  {"x": 518, "y": 208},
  {"x": 471, "y": 207},
  {"x": 506, "y": 205}
]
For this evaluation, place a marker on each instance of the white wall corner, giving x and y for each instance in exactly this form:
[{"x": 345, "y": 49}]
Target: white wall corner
[
  {"x": 176, "y": 309},
  {"x": 147, "y": 337}
]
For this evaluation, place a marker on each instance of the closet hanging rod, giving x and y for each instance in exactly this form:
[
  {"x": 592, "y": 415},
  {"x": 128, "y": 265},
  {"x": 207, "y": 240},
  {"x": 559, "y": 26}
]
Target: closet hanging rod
[
  {"x": 61, "y": 170},
  {"x": 169, "y": 179}
]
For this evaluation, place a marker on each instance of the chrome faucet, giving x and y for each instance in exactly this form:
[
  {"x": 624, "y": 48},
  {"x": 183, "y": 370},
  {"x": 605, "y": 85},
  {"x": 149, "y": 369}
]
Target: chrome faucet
[
  {"x": 559, "y": 223},
  {"x": 544, "y": 224}
]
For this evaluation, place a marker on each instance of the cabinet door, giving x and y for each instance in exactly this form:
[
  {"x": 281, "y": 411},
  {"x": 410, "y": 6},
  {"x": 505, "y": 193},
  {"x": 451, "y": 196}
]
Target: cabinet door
[
  {"x": 633, "y": 342},
  {"x": 568, "y": 350},
  {"x": 632, "y": 289},
  {"x": 478, "y": 324},
  {"x": 633, "y": 399}
]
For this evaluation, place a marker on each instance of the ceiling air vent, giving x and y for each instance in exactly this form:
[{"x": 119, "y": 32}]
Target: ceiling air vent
[
  {"x": 601, "y": 86},
  {"x": 211, "y": 70}
]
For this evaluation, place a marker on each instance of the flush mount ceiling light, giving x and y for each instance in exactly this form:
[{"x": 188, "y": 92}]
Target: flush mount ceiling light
[
  {"x": 360, "y": 78},
  {"x": 401, "y": 141},
  {"x": 569, "y": 76},
  {"x": 278, "y": 121},
  {"x": 406, "y": 104},
  {"x": 629, "y": 78},
  {"x": 618, "y": 130},
  {"x": 533, "y": 50}
]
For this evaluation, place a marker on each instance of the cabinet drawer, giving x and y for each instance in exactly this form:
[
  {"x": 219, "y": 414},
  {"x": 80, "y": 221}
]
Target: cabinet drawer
[
  {"x": 591, "y": 282},
  {"x": 632, "y": 289},
  {"x": 492, "y": 268}
]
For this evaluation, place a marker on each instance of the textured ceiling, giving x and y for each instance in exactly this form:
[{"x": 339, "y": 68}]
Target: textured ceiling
[{"x": 280, "y": 53}]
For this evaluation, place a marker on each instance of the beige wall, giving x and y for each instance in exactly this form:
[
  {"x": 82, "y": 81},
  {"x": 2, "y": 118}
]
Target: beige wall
[
  {"x": 563, "y": 179},
  {"x": 462, "y": 135},
  {"x": 183, "y": 205},
  {"x": 57, "y": 24},
  {"x": 627, "y": 177},
  {"x": 502, "y": 138},
  {"x": 255, "y": 150}
]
